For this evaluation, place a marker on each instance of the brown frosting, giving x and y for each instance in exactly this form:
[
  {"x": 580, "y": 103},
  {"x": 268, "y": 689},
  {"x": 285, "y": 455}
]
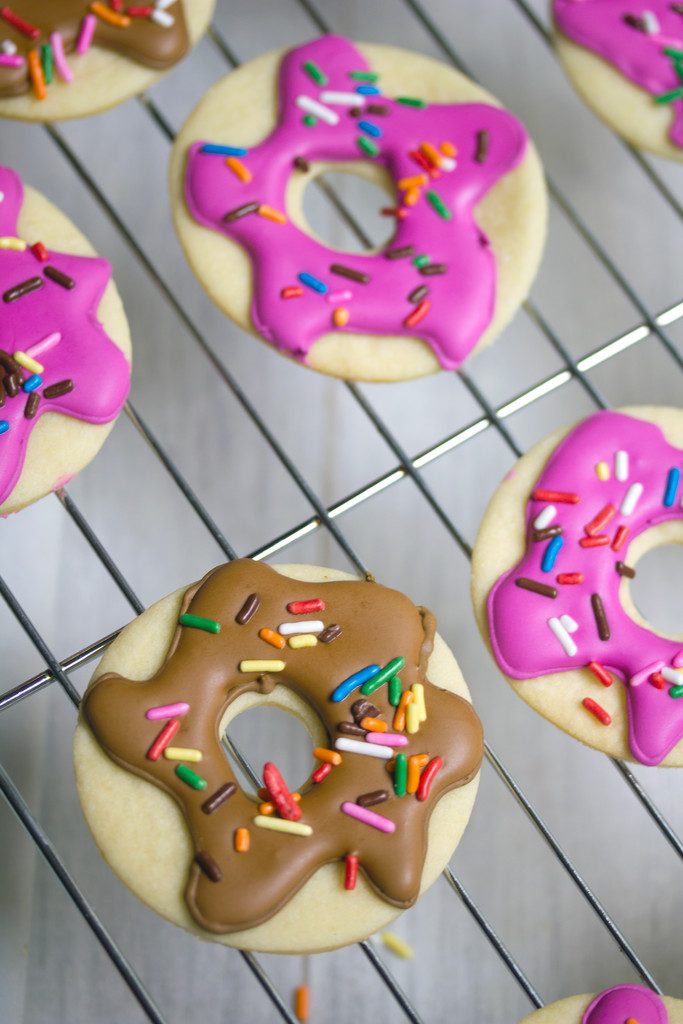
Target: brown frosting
[
  {"x": 142, "y": 40},
  {"x": 202, "y": 669}
]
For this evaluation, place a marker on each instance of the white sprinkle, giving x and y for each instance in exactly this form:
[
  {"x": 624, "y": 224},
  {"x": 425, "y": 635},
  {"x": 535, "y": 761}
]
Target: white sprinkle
[
  {"x": 447, "y": 163},
  {"x": 161, "y": 5},
  {"x": 621, "y": 465},
  {"x": 343, "y": 99},
  {"x": 563, "y": 636},
  {"x": 309, "y": 626},
  {"x": 2, "y": 197},
  {"x": 631, "y": 500},
  {"x": 162, "y": 18},
  {"x": 8, "y": 47},
  {"x": 545, "y": 517},
  {"x": 672, "y": 676},
  {"x": 570, "y": 624},
  {"x": 650, "y": 22},
  {"x": 368, "y": 749},
  {"x": 312, "y": 106}
]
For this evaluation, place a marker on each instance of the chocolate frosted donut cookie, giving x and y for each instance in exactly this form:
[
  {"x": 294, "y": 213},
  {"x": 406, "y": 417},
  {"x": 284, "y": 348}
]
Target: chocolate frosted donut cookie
[
  {"x": 70, "y": 58},
  {"x": 623, "y": 1004},
  {"x": 397, "y": 743}
]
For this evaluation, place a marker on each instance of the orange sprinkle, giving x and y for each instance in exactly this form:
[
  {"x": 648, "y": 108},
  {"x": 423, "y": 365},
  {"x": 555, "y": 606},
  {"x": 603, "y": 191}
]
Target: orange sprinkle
[
  {"x": 373, "y": 725},
  {"x": 272, "y": 638},
  {"x": 266, "y": 808},
  {"x": 416, "y": 179},
  {"x": 242, "y": 172},
  {"x": 340, "y": 317},
  {"x": 106, "y": 14},
  {"x": 412, "y": 196},
  {"x": 431, "y": 153},
  {"x": 448, "y": 149},
  {"x": 35, "y": 70},
  {"x": 242, "y": 840},
  {"x": 399, "y": 723},
  {"x": 267, "y": 211},
  {"x": 302, "y": 1002},
  {"x": 415, "y": 765},
  {"x": 329, "y": 756}
]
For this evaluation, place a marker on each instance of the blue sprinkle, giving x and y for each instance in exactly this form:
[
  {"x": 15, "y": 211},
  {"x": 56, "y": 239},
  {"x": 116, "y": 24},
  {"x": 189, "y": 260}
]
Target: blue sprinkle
[
  {"x": 223, "y": 150},
  {"x": 312, "y": 282},
  {"x": 370, "y": 129},
  {"x": 4, "y": 426},
  {"x": 33, "y": 382},
  {"x": 672, "y": 482},
  {"x": 368, "y": 90},
  {"x": 353, "y": 682},
  {"x": 550, "y": 554}
]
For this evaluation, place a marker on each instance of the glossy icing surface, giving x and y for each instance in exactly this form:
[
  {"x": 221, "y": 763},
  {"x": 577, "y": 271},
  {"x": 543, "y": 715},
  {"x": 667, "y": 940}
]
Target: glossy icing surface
[{"x": 626, "y": 1004}]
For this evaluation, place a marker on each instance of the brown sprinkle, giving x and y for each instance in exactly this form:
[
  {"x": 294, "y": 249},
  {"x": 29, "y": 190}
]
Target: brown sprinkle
[
  {"x": 2, "y": 394},
  {"x": 482, "y": 147},
  {"x": 418, "y": 294},
  {"x": 364, "y": 709},
  {"x": 62, "y": 387},
  {"x": 378, "y": 796},
  {"x": 635, "y": 22},
  {"x": 535, "y": 587},
  {"x": 219, "y": 797},
  {"x": 330, "y": 634},
  {"x": 600, "y": 617},
  {"x": 248, "y": 609},
  {"x": 301, "y": 164},
  {"x": 377, "y": 108},
  {"x": 433, "y": 268},
  {"x": 353, "y": 275},
  {"x": 11, "y": 385},
  {"x": 349, "y": 729},
  {"x": 32, "y": 285},
  {"x": 399, "y": 254},
  {"x": 32, "y": 404},
  {"x": 59, "y": 278},
  {"x": 209, "y": 866},
  {"x": 355, "y": 111},
  {"x": 547, "y": 533},
  {"x": 240, "y": 211},
  {"x": 625, "y": 570}
]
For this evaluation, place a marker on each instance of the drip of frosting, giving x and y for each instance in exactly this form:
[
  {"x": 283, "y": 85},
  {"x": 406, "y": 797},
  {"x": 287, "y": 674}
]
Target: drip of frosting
[
  {"x": 626, "y": 1003},
  {"x": 635, "y": 486},
  {"x": 357, "y": 624},
  {"x": 54, "y": 323},
  {"x": 156, "y": 44},
  {"x": 328, "y": 111},
  {"x": 634, "y": 36}
]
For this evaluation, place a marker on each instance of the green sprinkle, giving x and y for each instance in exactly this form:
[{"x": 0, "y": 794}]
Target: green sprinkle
[
  {"x": 669, "y": 97},
  {"x": 197, "y": 622},
  {"x": 670, "y": 52},
  {"x": 437, "y": 202},
  {"x": 676, "y": 691},
  {"x": 394, "y": 691},
  {"x": 309, "y": 121},
  {"x": 368, "y": 76},
  {"x": 389, "y": 670},
  {"x": 400, "y": 775},
  {"x": 422, "y": 261},
  {"x": 48, "y": 63},
  {"x": 367, "y": 146},
  {"x": 410, "y": 101},
  {"x": 314, "y": 72},
  {"x": 190, "y": 777}
]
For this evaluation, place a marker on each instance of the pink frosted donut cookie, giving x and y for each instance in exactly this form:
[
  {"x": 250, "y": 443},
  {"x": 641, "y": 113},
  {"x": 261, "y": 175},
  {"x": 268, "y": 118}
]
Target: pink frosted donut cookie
[
  {"x": 465, "y": 193},
  {"x": 623, "y": 1004},
  {"x": 64, "y": 347},
  {"x": 625, "y": 58},
  {"x": 551, "y": 573}
]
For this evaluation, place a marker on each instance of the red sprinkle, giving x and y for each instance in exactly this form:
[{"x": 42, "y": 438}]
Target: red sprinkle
[
  {"x": 427, "y": 777},
  {"x": 619, "y": 537},
  {"x": 292, "y": 292},
  {"x": 658, "y": 680},
  {"x": 569, "y": 578},
  {"x": 350, "y": 871},
  {"x": 597, "y": 710},
  {"x": 399, "y": 212},
  {"x": 139, "y": 12},
  {"x": 419, "y": 313},
  {"x": 600, "y": 672},
  {"x": 19, "y": 24},
  {"x": 564, "y": 497},
  {"x": 285, "y": 804},
  {"x": 316, "y": 604},
  {"x": 163, "y": 739},
  {"x": 321, "y": 772},
  {"x": 421, "y": 159},
  {"x": 40, "y": 252},
  {"x": 601, "y": 519},
  {"x": 594, "y": 542}
]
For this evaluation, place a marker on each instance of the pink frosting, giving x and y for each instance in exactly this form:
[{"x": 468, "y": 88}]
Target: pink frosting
[
  {"x": 85, "y": 354},
  {"x": 624, "y": 1003},
  {"x": 599, "y": 25},
  {"x": 461, "y": 300},
  {"x": 522, "y": 640}
]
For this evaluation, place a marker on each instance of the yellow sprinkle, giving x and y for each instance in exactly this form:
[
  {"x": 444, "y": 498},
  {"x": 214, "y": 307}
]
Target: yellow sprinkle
[
  {"x": 303, "y": 640},
  {"x": 262, "y": 666},
  {"x": 431, "y": 153},
  {"x": 340, "y": 317},
  {"x": 8, "y": 242},
  {"x": 448, "y": 149},
  {"x": 602, "y": 471},
  {"x": 397, "y": 945},
  {"x": 417, "y": 179},
  {"x": 412, "y": 196},
  {"x": 271, "y": 214},
  {"x": 294, "y": 828},
  {"x": 27, "y": 362},
  {"x": 183, "y": 754},
  {"x": 419, "y": 699},
  {"x": 412, "y": 718},
  {"x": 238, "y": 168}
]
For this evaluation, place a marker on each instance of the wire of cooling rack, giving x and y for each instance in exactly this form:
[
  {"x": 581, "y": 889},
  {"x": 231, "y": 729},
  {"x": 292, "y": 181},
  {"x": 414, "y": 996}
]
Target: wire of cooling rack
[{"x": 408, "y": 468}]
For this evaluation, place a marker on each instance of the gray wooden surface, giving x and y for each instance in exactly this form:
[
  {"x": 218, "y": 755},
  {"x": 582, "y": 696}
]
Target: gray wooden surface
[{"x": 51, "y": 967}]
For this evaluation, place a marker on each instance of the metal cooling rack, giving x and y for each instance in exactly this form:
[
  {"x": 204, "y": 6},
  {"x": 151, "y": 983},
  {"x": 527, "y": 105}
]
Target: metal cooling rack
[{"x": 649, "y": 324}]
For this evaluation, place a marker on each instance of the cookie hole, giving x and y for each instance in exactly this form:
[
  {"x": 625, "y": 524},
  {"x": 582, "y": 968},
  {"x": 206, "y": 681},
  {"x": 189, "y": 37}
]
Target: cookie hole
[
  {"x": 316, "y": 212},
  {"x": 655, "y": 591}
]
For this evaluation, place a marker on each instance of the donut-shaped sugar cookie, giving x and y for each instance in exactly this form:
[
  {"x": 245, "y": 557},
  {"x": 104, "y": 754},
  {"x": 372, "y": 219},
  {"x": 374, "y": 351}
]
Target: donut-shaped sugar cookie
[
  {"x": 550, "y": 579},
  {"x": 64, "y": 347},
  {"x": 397, "y": 742},
  {"x": 61, "y": 59},
  {"x": 626, "y": 61},
  {"x": 465, "y": 192},
  {"x": 623, "y": 1004}
]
